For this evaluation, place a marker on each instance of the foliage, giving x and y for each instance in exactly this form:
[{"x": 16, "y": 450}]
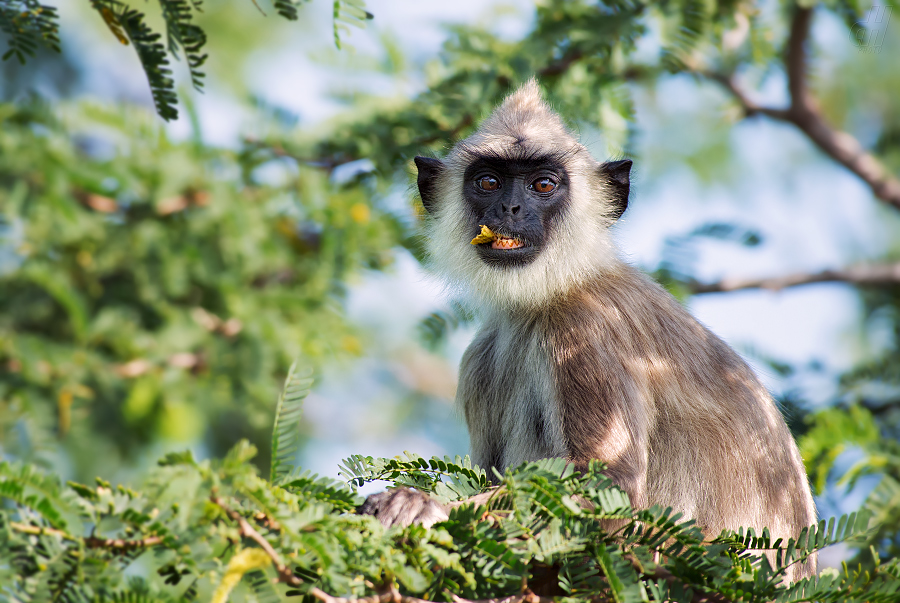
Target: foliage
[
  {"x": 837, "y": 431},
  {"x": 286, "y": 430},
  {"x": 29, "y": 24},
  {"x": 157, "y": 290},
  {"x": 215, "y": 530}
]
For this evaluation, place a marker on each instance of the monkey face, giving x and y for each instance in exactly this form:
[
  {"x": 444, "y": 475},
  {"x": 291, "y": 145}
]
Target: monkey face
[
  {"x": 519, "y": 200},
  {"x": 545, "y": 203}
]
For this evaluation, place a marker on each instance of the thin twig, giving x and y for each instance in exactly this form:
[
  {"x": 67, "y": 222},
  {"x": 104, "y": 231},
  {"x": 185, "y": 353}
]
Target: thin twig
[
  {"x": 284, "y": 572},
  {"x": 326, "y": 598},
  {"x": 861, "y": 276},
  {"x": 40, "y": 531},
  {"x": 91, "y": 542},
  {"x": 528, "y": 597},
  {"x": 120, "y": 543},
  {"x": 393, "y": 596},
  {"x": 805, "y": 114}
]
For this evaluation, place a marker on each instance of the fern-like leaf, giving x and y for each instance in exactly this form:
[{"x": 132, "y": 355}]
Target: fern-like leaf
[
  {"x": 286, "y": 430},
  {"x": 435, "y": 328},
  {"x": 28, "y": 487},
  {"x": 693, "y": 24},
  {"x": 29, "y": 24},
  {"x": 262, "y": 588},
  {"x": 349, "y": 12},
  {"x": 122, "y": 19},
  {"x": 181, "y": 32},
  {"x": 287, "y": 8},
  {"x": 311, "y": 487}
]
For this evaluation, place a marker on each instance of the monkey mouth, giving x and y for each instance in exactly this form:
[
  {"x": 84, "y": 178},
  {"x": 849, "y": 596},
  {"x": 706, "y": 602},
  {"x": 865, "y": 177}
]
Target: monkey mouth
[
  {"x": 500, "y": 242},
  {"x": 502, "y": 250},
  {"x": 497, "y": 240}
]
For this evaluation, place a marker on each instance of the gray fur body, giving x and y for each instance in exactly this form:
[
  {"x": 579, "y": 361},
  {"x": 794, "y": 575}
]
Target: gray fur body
[
  {"x": 622, "y": 373},
  {"x": 581, "y": 356}
]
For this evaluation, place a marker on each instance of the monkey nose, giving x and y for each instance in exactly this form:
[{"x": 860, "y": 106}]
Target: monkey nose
[{"x": 511, "y": 209}]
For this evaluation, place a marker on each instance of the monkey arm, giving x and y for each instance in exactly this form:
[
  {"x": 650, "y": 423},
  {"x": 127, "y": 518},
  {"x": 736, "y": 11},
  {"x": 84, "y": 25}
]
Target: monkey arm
[{"x": 406, "y": 506}]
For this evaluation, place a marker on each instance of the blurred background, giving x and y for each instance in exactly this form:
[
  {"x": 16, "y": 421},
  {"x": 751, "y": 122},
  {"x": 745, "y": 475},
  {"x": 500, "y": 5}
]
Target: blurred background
[{"x": 158, "y": 277}]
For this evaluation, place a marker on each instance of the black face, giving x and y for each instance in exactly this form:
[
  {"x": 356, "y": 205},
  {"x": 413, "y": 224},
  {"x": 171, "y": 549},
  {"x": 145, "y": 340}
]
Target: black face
[{"x": 519, "y": 200}]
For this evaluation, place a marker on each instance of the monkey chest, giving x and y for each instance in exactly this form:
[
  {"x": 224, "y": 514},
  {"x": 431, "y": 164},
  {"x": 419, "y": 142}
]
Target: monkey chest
[{"x": 507, "y": 393}]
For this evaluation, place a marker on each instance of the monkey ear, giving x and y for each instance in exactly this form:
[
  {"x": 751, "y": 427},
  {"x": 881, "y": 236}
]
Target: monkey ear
[
  {"x": 429, "y": 170},
  {"x": 618, "y": 176}
]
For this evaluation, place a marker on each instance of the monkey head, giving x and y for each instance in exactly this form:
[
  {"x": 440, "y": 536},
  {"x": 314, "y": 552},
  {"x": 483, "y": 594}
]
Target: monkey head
[{"x": 546, "y": 202}]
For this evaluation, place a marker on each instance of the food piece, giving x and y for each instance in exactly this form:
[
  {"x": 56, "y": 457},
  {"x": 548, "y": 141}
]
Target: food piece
[{"x": 486, "y": 236}]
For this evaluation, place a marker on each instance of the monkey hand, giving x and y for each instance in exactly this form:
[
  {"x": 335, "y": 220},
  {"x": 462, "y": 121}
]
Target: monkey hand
[{"x": 404, "y": 506}]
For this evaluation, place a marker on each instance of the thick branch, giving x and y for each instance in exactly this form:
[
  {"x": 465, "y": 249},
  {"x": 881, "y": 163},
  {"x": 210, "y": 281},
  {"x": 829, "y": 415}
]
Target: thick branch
[
  {"x": 795, "y": 60},
  {"x": 804, "y": 113},
  {"x": 861, "y": 276},
  {"x": 563, "y": 64},
  {"x": 284, "y": 572}
]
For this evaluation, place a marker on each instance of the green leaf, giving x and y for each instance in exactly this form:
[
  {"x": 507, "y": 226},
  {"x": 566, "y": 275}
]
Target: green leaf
[
  {"x": 150, "y": 51},
  {"x": 27, "y": 25},
  {"x": 286, "y": 428}
]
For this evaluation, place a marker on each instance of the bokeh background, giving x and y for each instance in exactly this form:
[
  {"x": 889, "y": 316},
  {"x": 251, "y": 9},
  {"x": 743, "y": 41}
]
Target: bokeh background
[{"x": 158, "y": 278}]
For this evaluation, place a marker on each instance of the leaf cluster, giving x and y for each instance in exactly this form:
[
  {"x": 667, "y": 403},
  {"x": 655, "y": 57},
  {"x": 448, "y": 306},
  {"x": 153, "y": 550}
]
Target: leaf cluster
[
  {"x": 157, "y": 290},
  {"x": 29, "y": 24},
  {"x": 215, "y": 530}
]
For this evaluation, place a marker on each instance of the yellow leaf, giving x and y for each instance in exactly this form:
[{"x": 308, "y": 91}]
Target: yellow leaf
[
  {"x": 64, "y": 405},
  {"x": 243, "y": 562},
  {"x": 360, "y": 213},
  {"x": 486, "y": 236},
  {"x": 351, "y": 344},
  {"x": 114, "y": 26}
]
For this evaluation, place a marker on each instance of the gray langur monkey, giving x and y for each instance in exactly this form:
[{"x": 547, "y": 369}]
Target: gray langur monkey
[{"x": 581, "y": 356}]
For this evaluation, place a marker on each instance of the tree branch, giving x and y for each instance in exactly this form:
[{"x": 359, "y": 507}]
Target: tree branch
[
  {"x": 804, "y": 113},
  {"x": 563, "y": 64},
  {"x": 528, "y": 597},
  {"x": 394, "y": 596},
  {"x": 121, "y": 544},
  {"x": 284, "y": 572},
  {"x": 92, "y": 542},
  {"x": 860, "y": 276}
]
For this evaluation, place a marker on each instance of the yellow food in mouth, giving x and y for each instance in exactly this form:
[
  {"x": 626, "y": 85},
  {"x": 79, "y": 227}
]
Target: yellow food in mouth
[
  {"x": 497, "y": 242},
  {"x": 485, "y": 236}
]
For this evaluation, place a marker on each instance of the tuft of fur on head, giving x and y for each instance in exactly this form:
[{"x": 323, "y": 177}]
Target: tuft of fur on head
[{"x": 580, "y": 248}]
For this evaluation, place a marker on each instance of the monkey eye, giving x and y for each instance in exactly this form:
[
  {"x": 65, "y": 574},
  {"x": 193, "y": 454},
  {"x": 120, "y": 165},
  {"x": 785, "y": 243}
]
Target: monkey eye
[
  {"x": 543, "y": 185},
  {"x": 488, "y": 183}
]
